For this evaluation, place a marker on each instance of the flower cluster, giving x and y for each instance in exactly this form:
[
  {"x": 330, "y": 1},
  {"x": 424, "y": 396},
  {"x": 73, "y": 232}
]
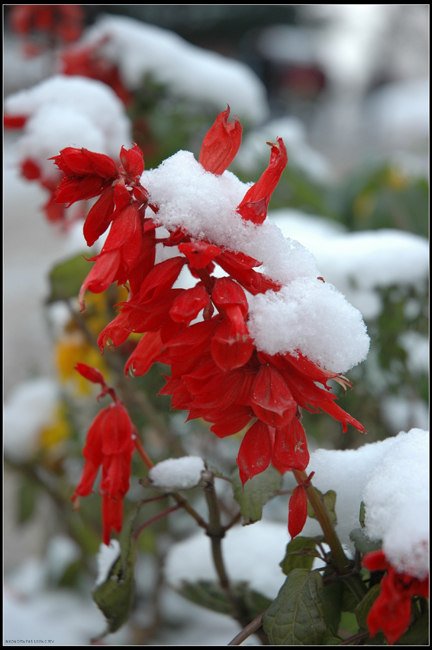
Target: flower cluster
[
  {"x": 391, "y": 612},
  {"x": 88, "y": 60},
  {"x": 48, "y": 24},
  {"x": 110, "y": 445},
  {"x": 217, "y": 372}
]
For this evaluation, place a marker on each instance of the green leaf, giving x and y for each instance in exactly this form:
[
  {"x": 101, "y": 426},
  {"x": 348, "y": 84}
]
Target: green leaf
[
  {"x": 211, "y": 595},
  {"x": 418, "y": 633},
  {"x": 300, "y": 554},
  {"x": 296, "y": 617},
  {"x": 255, "y": 493},
  {"x": 66, "y": 278},
  {"x": 332, "y": 604},
  {"x": 362, "y": 542},
  {"x": 27, "y": 498},
  {"x": 329, "y": 500},
  {"x": 114, "y": 597},
  {"x": 363, "y": 608}
]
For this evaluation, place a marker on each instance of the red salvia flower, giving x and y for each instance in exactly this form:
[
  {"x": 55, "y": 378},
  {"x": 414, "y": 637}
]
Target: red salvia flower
[
  {"x": 217, "y": 373},
  {"x": 391, "y": 611},
  {"x": 110, "y": 445}
]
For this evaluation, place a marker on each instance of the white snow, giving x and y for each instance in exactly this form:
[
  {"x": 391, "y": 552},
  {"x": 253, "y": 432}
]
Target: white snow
[
  {"x": 177, "y": 473},
  {"x": 197, "y": 74},
  {"x": 311, "y": 317},
  {"x": 396, "y": 498},
  {"x": 358, "y": 263},
  {"x": 105, "y": 559},
  {"x": 308, "y": 315},
  {"x": 251, "y": 553},
  {"x": 391, "y": 478},
  {"x": 254, "y": 149},
  {"x": 68, "y": 111},
  {"x": 29, "y": 410}
]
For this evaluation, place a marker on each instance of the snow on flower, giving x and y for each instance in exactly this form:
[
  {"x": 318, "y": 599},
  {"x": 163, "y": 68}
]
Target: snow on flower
[
  {"x": 138, "y": 50},
  {"x": 205, "y": 205},
  {"x": 177, "y": 473}
]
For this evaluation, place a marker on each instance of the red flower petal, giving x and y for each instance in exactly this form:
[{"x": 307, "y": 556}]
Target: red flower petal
[
  {"x": 143, "y": 356},
  {"x": 189, "y": 304},
  {"x": 221, "y": 144},
  {"x": 117, "y": 429},
  {"x": 263, "y": 189},
  {"x": 132, "y": 161},
  {"x": 297, "y": 513},
  {"x": 271, "y": 398},
  {"x": 99, "y": 216},
  {"x": 199, "y": 254},
  {"x": 290, "y": 446},
  {"x": 228, "y": 349},
  {"x": 92, "y": 374},
  {"x": 255, "y": 451}
]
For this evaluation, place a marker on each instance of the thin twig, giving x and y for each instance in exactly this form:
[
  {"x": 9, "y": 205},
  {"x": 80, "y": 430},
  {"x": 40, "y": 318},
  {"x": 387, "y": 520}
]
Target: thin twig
[{"x": 250, "y": 628}]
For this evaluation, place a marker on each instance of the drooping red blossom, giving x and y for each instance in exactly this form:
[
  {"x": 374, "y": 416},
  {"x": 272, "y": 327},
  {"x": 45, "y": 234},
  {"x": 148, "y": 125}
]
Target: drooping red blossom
[
  {"x": 110, "y": 444},
  {"x": 297, "y": 512},
  {"x": 217, "y": 373},
  {"x": 391, "y": 611}
]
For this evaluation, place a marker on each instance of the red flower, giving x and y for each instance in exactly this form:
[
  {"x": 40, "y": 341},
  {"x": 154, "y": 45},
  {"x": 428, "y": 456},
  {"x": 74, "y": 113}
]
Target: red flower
[
  {"x": 55, "y": 23},
  {"x": 391, "y": 612},
  {"x": 217, "y": 373},
  {"x": 110, "y": 445},
  {"x": 88, "y": 60}
]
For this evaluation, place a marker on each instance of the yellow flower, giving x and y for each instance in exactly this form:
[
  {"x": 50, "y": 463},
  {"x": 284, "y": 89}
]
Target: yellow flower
[
  {"x": 71, "y": 349},
  {"x": 57, "y": 430}
]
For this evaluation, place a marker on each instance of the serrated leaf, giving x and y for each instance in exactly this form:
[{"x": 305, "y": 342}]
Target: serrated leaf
[
  {"x": 211, "y": 595},
  {"x": 255, "y": 493},
  {"x": 362, "y": 542},
  {"x": 296, "y": 617},
  {"x": 300, "y": 554},
  {"x": 363, "y": 608},
  {"x": 329, "y": 500},
  {"x": 66, "y": 278},
  {"x": 114, "y": 597}
]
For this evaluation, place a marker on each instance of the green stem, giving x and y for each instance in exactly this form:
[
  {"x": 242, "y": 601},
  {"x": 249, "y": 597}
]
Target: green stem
[
  {"x": 338, "y": 555},
  {"x": 216, "y": 532},
  {"x": 343, "y": 565}
]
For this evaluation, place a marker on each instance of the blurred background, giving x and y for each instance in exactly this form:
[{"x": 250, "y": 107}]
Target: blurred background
[{"x": 347, "y": 87}]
